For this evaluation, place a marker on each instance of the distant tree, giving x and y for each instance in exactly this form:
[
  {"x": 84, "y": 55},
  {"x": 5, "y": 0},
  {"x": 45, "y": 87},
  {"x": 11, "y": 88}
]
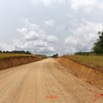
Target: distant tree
[
  {"x": 55, "y": 55},
  {"x": 28, "y": 52},
  {"x": 98, "y": 46},
  {"x": 83, "y": 53},
  {"x": 17, "y": 51}
]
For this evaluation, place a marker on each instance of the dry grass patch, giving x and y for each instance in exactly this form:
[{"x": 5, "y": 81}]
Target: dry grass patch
[
  {"x": 90, "y": 60},
  {"x": 7, "y": 55}
]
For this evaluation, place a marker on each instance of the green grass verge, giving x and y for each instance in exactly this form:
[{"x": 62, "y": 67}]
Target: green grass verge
[
  {"x": 90, "y": 60},
  {"x": 7, "y": 55}
]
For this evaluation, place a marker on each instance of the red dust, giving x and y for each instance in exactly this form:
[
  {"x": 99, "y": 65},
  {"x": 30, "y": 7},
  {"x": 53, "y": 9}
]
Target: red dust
[
  {"x": 97, "y": 97},
  {"x": 52, "y": 97}
]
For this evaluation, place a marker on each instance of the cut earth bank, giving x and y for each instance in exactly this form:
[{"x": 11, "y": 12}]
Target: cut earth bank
[
  {"x": 92, "y": 75},
  {"x": 16, "y": 61}
]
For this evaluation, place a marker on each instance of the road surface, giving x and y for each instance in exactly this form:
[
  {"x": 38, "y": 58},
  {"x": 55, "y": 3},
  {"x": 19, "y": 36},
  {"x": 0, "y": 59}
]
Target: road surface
[{"x": 45, "y": 81}]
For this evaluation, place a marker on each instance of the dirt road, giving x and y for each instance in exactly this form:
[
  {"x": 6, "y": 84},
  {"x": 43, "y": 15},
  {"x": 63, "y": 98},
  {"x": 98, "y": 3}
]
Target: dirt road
[{"x": 45, "y": 81}]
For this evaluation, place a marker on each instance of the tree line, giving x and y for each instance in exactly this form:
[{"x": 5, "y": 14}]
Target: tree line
[
  {"x": 97, "y": 48},
  {"x": 17, "y": 51}
]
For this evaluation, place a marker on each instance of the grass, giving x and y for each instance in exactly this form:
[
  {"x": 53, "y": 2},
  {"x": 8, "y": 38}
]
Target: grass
[
  {"x": 7, "y": 55},
  {"x": 90, "y": 60}
]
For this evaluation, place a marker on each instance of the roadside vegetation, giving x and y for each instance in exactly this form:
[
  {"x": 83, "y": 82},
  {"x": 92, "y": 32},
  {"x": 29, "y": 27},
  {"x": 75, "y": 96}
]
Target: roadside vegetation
[
  {"x": 93, "y": 58},
  {"x": 89, "y": 60},
  {"x": 16, "y": 52},
  {"x": 98, "y": 46},
  {"x": 7, "y": 54},
  {"x": 54, "y": 56}
]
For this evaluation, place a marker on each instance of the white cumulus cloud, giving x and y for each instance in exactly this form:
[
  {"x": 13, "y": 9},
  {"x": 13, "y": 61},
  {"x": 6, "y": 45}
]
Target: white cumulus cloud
[
  {"x": 35, "y": 39},
  {"x": 6, "y": 47},
  {"x": 41, "y": 44},
  {"x": 86, "y": 5},
  {"x": 46, "y": 50},
  {"x": 77, "y": 5},
  {"x": 52, "y": 39},
  {"x": 83, "y": 37},
  {"x": 49, "y": 23},
  {"x": 48, "y": 3}
]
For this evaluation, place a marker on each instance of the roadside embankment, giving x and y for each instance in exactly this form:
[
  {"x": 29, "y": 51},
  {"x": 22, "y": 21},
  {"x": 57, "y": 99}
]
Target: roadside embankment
[
  {"x": 92, "y": 75},
  {"x": 16, "y": 61}
]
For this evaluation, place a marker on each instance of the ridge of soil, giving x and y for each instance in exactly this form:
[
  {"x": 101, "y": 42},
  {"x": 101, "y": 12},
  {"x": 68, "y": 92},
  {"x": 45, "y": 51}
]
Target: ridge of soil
[
  {"x": 89, "y": 74},
  {"x": 16, "y": 61}
]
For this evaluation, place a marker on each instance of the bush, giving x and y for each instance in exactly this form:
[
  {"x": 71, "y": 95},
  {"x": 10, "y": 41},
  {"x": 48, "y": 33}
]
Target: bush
[{"x": 55, "y": 56}]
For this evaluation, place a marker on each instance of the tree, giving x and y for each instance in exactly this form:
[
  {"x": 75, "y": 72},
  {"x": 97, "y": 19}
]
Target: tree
[
  {"x": 98, "y": 46},
  {"x": 17, "y": 51},
  {"x": 55, "y": 56}
]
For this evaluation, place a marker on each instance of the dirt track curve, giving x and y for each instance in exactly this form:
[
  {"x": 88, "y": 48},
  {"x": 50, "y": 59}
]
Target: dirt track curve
[{"x": 45, "y": 81}]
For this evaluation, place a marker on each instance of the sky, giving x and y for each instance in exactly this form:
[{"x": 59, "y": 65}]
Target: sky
[{"x": 50, "y": 26}]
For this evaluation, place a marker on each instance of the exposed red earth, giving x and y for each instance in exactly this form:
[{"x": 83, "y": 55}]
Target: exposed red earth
[
  {"x": 89, "y": 74},
  {"x": 6, "y": 63}
]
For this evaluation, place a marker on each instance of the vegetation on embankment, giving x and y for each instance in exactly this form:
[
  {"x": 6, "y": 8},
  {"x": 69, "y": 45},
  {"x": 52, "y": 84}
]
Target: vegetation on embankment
[
  {"x": 7, "y": 55},
  {"x": 15, "y": 53},
  {"x": 89, "y": 60},
  {"x": 8, "y": 60},
  {"x": 98, "y": 46},
  {"x": 94, "y": 58},
  {"x": 89, "y": 74}
]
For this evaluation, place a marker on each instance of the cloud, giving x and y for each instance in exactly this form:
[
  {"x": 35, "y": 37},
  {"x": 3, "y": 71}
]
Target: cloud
[
  {"x": 52, "y": 39},
  {"x": 49, "y": 23},
  {"x": 34, "y": 1},
  {"x": 45, "y": 2},
  {"x": 71, "y": 50},
  {"x": 31, "y": 31},
  {"x": 77, "y": 5},
  {"x": 23, "y": 30},
  {"x": 83, "y": 36},
  {"x": 48, "y": 3},
  {"x": 86, "y": 5},
  {"x": 34, "y": 39},
  {"x": 36, "y": 47},
  {"x": 6, "y": 47},
  {"x": 41, "y": 44},
  {"x": 46, "y": 50}
]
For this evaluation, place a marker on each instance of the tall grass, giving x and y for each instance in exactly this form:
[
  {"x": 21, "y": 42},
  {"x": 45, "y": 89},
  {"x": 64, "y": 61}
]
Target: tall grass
[
  {"x": 6, "y": 55},
  {"x": 91, "y": 60}
]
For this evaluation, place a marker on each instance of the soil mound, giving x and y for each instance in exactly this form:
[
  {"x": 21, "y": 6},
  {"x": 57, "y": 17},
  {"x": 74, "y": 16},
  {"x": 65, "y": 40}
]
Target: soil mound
[
  {"x": 16, "y": 61},
  {"x": 92, "y": 75}
]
